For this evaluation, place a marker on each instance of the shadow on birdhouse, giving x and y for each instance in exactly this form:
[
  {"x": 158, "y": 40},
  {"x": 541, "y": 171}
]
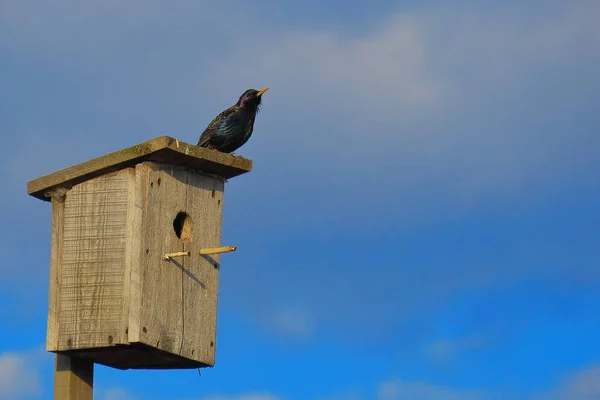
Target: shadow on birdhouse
[{"x": 135, "y": 254}]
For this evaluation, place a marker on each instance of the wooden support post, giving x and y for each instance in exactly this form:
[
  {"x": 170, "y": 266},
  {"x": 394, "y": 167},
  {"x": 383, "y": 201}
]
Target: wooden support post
[{"x": 73, "y": 378}]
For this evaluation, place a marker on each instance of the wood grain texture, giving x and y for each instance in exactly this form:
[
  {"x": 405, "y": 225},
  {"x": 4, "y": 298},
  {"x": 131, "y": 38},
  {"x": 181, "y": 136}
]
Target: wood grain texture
[
  {"x": 161, "y": 318},
  {"x": 73, "y": 378},
  {"x": 92, "y": 263},
  {"x": 201, "y": 283},
  {"x": 176, "y": 299},
  {"x": 135, "y": 255},
  {"x": 113, "y": 299},
  {"x": 58, "y": 207},
  {"x": 163, "y": 149}
]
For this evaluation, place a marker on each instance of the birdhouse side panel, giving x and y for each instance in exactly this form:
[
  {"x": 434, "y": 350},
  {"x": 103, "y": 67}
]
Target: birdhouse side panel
[
  {"x": 91, "y": 269},
  {"x": 200, "y": 288}
]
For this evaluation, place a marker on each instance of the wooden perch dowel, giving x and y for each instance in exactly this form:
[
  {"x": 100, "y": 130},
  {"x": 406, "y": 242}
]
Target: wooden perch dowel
[
  {"x": 217, "y": 250},
  {"x": 178, "y": 254}
]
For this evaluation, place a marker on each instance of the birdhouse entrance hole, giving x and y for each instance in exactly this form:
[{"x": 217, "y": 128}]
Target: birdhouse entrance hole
[{"x": 182, "y": 224}]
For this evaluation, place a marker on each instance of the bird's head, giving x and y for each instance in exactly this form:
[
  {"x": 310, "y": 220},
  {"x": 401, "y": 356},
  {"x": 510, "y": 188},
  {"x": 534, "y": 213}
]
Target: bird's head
[{"x": 251, "y": 98}]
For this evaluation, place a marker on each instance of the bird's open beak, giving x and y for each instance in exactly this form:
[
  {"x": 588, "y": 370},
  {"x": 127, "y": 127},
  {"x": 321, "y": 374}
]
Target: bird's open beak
[{"x": 260, "y": 92}]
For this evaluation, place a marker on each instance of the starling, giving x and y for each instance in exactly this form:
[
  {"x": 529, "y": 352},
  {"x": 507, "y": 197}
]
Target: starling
[{"x": 233, "y": 127}]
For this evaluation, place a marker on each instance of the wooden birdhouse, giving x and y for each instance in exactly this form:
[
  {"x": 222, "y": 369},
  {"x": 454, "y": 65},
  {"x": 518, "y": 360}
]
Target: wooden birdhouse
[{"x": 134, "y": 273}]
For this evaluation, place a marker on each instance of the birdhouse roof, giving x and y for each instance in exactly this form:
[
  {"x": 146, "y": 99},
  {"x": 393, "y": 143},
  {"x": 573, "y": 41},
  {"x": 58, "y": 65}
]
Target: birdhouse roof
[{"x": 162, "y": 149}]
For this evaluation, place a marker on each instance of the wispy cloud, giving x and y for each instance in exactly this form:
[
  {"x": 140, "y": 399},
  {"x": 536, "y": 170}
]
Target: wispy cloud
[
  {"x": 580, "y": 385},
  {"x": 20, "y": 375},
  {"x": 293, "y": 322},
  {"x": 444, "y": 100},
  {"x": 393, "y": 389},
  {"x": 425, "y": 113},
  {"x": 445, "y": 350},
  {"x": 245, "y": 397},
  {"x": 118, "y": 393},
  {"x": 397, "y": 390}
]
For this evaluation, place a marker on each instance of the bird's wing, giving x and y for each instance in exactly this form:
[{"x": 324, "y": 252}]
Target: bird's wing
[
  {"x": 217, "y": 127},
  {"x": 249, "y": 129}
]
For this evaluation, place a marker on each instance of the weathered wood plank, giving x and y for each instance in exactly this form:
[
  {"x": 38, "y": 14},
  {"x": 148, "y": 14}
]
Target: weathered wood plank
[
  {"x": 161, "y": 149},
  {"x": 92, "y": 263},
  {"x": 201, "y": 282},
  {"x": 58, "y": 208},
  {"x": 73, "y": 378},
  {"x": 136, "y": 274},
  {"x": 161, "y": 320},
  {"x": 133, "y": 253}
]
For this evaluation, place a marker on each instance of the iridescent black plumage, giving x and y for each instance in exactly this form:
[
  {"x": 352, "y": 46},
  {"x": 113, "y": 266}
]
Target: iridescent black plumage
[{"x": 233, "y": 127}]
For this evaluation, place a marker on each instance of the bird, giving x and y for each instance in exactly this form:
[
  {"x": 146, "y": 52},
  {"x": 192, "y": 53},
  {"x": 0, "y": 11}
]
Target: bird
[{"x": 232, "y": 127}]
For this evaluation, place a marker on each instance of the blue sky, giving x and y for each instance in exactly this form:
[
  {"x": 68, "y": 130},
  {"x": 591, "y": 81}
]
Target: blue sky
[{"x": 422, "y": 217}]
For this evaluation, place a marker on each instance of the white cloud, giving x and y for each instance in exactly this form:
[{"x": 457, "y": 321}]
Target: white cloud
[
  {"x": 400, "y": 390},
  {"x": 118, "y": 393},
  {"x": 397, "y": 389},
  {"x": 443, "y": 350},
  {"x": 429, "y": 98},
  {"x": 437, "y": 100},
  {"x": 246, "y": 397},
  {"x": 47, "y": 28},
  {"x": 393, "y": 389},
  {"x": 19, "y": 375},
  {"x": 581, "y": 385},
  {"x": 350, "y": 394},
  {"x": 292, "y": 322}
]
